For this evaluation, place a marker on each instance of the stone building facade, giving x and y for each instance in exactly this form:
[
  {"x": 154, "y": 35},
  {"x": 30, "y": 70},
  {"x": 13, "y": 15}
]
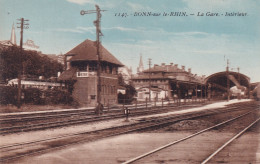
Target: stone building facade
[{"x": 167, "y": 81}]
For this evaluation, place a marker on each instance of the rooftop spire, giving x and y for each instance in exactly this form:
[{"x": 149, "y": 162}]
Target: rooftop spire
[
  {"x": 13, "y": 37},
  {"x": 141, "y": 65}
]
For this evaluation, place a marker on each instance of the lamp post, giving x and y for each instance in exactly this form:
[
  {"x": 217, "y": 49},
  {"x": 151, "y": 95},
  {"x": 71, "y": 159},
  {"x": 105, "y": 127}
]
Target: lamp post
[{"x": 98, "y": 34}]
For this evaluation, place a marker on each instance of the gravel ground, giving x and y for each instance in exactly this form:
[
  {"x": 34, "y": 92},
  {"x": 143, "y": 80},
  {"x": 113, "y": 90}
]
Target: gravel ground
[
  {"x": 120, "y": 148},
  {"x": 37, "y": 135}
]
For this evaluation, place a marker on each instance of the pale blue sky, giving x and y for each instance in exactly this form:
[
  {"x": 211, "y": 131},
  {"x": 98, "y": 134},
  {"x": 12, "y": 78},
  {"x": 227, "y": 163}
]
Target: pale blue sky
[{"x": 197, "y": 42}]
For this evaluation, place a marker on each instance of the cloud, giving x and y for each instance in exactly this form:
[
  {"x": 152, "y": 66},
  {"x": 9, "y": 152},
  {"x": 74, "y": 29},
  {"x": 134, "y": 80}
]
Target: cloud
[
  {"x": 156, "y": 30},
  {"x": 220, "y": 5},
  {"x": 123, "y": 29},
  {"x": 82, "y": 2},
  {"x": 137, "y": 7},
  {"x": 91, "y": 30},
  {"x": 187, "y": 49},
  {"x": 68, "y": 30}
]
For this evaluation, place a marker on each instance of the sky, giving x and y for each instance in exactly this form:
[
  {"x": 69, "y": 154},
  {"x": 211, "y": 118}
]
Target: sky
[{"x": 202, "y": 43}]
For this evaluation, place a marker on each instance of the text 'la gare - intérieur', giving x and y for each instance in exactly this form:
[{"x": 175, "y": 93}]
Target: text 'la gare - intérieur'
[{"x": 179, "y": 14}]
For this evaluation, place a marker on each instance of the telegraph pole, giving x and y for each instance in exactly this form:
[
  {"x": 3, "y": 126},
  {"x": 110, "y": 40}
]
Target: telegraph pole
[
  {"x": 98, "y": 34},
  {"x": 23, "y": 24},
  {"x": 149, "y": 63},
  {"x": 238, "y": 74},
  {"x": 228, "y": 82},
  {"x": 239, "y": 96}
]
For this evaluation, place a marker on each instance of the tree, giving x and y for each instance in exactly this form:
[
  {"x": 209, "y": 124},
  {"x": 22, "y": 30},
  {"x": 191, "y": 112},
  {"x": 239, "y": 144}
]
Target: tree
[
  {"x": 128, "y": 97},
  {"x": 12, "y": 60}
]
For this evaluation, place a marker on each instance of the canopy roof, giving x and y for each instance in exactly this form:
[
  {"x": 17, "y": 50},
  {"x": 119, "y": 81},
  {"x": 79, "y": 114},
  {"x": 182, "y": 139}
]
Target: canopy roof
[{"x": 69, "y": 74}]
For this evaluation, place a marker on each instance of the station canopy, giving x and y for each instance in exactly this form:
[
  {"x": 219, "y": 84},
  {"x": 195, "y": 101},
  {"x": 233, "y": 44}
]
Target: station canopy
[{"x": 236, "y": 79}]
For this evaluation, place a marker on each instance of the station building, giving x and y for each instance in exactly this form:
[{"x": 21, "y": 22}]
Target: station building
[
  {"x": 168, "y": 81},
  {"x": 81, "y": 78}
]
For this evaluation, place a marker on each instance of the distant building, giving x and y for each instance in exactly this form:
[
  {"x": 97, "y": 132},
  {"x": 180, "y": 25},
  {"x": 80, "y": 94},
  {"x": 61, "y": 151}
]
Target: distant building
[
  {"x": 13, "y": 36},
  {"x": 27, "y": 45},
  {"x": 126, "y": 73},
  {"x": 167, "y": 81},
  {"x": 81, "y": 74},
  {"x": 31, "y": 46},
  {"x": 140, "y": 68},
  {"x": 59, "y": 58},
  {"x": 11, "y": 42}
]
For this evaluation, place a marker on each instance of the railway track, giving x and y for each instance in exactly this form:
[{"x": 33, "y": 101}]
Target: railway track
[
  {"x": 229, "y": 141},
  {"x": 12, "y": 128},
  {"x": 22, "y": 123},
  {"x": 40, "y": 121},
  {"x": 43, "y": 115},
  {"x": 19, "y": 150},
  {"x": 139, "y": 159}
]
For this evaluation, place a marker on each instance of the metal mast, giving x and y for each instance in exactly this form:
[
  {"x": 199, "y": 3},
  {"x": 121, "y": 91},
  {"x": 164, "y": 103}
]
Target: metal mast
[{"x": 98, "y": 34}]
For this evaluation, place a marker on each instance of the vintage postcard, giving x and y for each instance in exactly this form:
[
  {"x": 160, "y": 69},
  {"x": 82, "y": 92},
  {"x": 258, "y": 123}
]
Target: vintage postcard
[{"x": 133, "y": 81}]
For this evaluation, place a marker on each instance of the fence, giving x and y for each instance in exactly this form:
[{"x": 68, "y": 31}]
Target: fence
[{"x": 162, "y": 103}]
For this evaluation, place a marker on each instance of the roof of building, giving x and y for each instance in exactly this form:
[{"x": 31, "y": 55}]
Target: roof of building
[
  {"x": 69, "y": 74},
  {"x": 164, "y": 68},
  {"x": 152, "y": 89},
  {"x": 87, "y": 51},
  {"x": 146, "y": 76},
  {"x": 6, "y": 43}
]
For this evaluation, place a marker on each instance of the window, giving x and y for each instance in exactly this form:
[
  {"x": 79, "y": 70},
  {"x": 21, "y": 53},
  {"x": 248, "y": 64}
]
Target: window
[
  {"x": 92, "y": 68},
  {"x": 82, "y": 68}
]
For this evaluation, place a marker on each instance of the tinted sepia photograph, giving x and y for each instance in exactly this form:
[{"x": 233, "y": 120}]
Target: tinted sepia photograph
[{"x": 129, "y": 82}]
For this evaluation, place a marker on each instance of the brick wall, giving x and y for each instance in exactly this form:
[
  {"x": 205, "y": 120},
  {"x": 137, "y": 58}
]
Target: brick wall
[{"x": 85, "y": 90}]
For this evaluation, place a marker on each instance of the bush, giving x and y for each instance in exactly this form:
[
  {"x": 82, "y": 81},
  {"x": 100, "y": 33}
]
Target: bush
[
  {"x": 8, "y": 95},
  {"x": 32, "y": 95},
  {"x": 57, "y": 97}
]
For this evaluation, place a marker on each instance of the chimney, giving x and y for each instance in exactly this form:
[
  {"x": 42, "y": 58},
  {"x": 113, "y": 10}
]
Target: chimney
[
  {"x": 171, "y": 64},
  {"x": 155, "y": 65},
  {"x": 183, "y": 67},
  {"x": 189, "y": 70},
  {"x": 163, "y": 64}
]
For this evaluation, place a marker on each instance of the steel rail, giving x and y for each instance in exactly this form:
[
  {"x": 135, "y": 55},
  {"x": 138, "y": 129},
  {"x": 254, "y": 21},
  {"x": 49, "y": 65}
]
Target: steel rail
[
  {"x": 183, "y": 139},
  {"x": 40, "y": 126},
  {"x": 30, "y": 127},
  {"x": 73, "y": 134},
  {"x": 143, "y": 127},
  {"x": 229, "y": 141}
]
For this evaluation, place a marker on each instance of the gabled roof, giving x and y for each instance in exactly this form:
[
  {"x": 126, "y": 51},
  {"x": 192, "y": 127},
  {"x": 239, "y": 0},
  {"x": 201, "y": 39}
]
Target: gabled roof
[{"x": 87, "y": 51}]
